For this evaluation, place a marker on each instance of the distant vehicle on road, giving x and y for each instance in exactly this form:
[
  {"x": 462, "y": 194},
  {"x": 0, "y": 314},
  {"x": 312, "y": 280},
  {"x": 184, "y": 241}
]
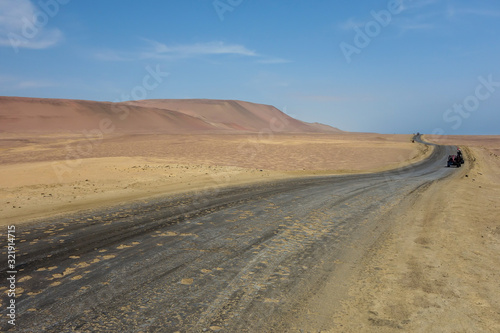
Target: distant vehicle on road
[{"x": 456, "y": 160}]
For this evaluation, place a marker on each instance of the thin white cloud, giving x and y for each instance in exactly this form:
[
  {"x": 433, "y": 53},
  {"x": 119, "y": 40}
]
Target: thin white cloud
[
  {"x": 413, "y": 15},
  {"x": 431, "y": 17},
  {"x": 18, "y": 28},
  {"x": 421, "y": 19},
  {"x": 159, "y": 50}
]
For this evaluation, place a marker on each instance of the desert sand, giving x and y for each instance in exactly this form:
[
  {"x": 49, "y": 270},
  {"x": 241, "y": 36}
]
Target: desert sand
[
  {"x": 46, "y": 174},
  {"x": 60, "y": 156},
  {"x": 437, "y": 269}
]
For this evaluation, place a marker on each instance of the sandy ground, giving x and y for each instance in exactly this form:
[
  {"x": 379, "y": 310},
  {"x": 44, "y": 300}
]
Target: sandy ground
[
  {"x": 42, "y": 175},
  {"x": 490, "y": 142},
  {"x": 438, "y": 269}
]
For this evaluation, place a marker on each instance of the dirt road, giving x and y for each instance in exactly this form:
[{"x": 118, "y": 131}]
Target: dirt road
[
  {"x": 245, "y": 259},
  {"x": 437, "y": 269}
]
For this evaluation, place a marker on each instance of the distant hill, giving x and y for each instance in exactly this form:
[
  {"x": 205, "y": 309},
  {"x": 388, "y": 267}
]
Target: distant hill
[{"x": 19, "y": 114}]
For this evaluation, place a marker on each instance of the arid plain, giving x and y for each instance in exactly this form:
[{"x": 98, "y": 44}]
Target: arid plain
[
  {"x": 61, "y": 156},
  {"x": 436, "y": 268}
]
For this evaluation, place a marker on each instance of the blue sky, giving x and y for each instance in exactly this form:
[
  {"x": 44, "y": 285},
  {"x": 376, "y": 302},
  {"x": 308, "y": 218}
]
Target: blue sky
[{"x": 392, "y": 66}]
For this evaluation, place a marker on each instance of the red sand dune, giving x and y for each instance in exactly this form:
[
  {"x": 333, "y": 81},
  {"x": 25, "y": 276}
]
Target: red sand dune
[{"x": 19, "y": 114}]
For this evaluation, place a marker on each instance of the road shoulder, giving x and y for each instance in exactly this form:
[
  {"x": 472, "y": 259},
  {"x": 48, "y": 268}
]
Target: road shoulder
[{"x": 437, "y": 269}]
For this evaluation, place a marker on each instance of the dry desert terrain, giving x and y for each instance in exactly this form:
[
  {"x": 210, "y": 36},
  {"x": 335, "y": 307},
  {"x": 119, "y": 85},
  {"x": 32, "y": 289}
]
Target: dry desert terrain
[
  {"x": 438, "y": 269},
  {"x": 45, "y": 174},
  {"x": 435, "y": 269}
]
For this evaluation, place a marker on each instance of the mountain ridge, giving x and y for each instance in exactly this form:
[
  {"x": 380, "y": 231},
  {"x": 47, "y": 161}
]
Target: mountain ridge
[{"x": 18, "y": 114}]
